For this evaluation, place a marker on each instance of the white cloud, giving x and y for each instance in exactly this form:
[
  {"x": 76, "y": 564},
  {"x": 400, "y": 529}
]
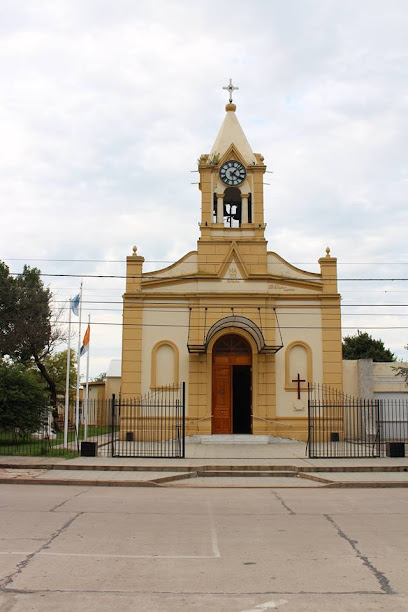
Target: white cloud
[{"x": 105, "y": 108}]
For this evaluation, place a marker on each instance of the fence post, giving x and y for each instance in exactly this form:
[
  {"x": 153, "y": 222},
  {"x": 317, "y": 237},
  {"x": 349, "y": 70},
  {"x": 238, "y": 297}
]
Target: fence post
[
  {"x": 378, "y": 402},
  {"x": 184, "y": 419},
  {"x": 113, "y": 425},
  {"x": 309, "y": 427}
]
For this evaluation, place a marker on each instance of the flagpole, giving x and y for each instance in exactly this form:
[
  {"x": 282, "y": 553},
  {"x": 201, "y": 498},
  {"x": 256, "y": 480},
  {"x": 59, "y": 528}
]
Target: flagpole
[
  {"x": 87, "y": 382},
  {"x": 78, "y": 367},
  {"x": 67, "y": 379}
]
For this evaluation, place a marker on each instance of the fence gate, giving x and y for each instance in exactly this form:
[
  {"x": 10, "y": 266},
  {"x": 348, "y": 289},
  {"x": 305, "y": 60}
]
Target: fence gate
[
  {"x": 342, "y": 426},
  {"x": 152, "y": 425},
  {"x": 345, "y": 426}
]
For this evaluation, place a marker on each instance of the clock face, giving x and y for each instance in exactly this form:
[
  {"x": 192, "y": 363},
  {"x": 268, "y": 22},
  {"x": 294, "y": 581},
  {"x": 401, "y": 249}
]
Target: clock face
[{"x": 232, "y": 173}]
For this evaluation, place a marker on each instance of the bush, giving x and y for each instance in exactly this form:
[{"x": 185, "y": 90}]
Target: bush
[{"x": 23, "y": 401}]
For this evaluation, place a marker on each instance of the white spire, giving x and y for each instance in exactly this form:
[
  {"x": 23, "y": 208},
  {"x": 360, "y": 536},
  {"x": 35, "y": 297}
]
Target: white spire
[{"x": 230, "y": 133}]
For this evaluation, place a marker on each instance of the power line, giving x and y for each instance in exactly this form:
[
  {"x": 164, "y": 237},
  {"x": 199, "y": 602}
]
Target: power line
[
  {"x": 146, "y": 276},
  {"x": 264, "y": 327},
  {"x": 295, "y": 263},
  {"x": 217, "y": 307},
  {"x": 184, "y": 302}
]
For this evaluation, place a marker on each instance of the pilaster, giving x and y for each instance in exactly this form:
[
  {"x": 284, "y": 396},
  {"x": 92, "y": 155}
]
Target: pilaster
[
  {"x": 331, "y": 324},
  {"x": 132, "y": 327}
]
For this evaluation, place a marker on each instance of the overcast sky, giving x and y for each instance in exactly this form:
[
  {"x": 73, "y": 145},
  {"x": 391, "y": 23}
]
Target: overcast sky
[{"x": 106, "y": 106}]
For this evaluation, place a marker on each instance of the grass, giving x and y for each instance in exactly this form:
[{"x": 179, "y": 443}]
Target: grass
[{"x": 35, "y": 447}]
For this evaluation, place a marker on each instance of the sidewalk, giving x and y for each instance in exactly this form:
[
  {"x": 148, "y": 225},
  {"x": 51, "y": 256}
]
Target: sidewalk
[{"x": 211, "y": 465}]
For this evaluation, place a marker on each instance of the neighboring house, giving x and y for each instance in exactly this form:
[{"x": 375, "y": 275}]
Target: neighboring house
[
  {"x": 96, "y": 391},
  {"x": 113, "y": 375},
  {"x": 373, "y": 380},
  {"x": 99, "y": 409}
]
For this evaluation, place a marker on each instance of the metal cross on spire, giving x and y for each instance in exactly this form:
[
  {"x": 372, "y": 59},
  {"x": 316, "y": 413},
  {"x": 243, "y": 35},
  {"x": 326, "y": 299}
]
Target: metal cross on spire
[{"x": 230, "y": 88}]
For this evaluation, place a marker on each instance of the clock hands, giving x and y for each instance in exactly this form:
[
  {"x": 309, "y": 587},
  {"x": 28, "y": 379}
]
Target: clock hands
[{"x": 233, "y": 171}]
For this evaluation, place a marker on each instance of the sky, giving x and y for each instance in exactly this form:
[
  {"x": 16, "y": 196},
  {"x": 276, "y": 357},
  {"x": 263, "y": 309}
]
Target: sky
[{"x": 106, "y": 106}]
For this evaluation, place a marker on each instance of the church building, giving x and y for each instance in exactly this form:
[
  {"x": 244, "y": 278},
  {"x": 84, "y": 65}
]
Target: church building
[{"x": 243, "y": 328}]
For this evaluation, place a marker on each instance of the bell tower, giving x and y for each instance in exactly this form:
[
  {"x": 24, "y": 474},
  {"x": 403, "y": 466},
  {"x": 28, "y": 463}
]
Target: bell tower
[{"x": 231, "y": 184}]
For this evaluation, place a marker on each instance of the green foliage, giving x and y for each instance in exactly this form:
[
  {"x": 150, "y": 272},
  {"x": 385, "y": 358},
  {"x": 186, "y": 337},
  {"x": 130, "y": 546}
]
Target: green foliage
[
  {"x": 364, "y": 346},
  {"x": 100, "y": 378},
  {"x": 56, "y": 365},
  {"x": 23, "y": 400},
  {"x": 209, "y": 160},
  {"x": 402, "y": 370},
  {"x": 27, "y": 331},
  {"x": 25, "y": 314},
  {"x": 214, "y": 159}
]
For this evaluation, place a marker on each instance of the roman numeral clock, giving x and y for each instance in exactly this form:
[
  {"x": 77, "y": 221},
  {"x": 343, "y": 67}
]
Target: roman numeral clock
[{"x": 232, "y": 173}]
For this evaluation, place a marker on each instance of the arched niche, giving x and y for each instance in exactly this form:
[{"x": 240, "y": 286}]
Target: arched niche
[
  {"x": 298, "y": 360},
  {"x": 164, "y": 364}
]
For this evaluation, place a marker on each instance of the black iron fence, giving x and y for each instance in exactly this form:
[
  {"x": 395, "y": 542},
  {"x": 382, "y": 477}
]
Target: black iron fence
[
  {"x": 345, "y": 426},
  {"x": 151, "y": 425}
]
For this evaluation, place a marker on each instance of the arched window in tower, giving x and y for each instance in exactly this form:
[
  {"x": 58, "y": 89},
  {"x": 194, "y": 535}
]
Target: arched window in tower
[{"x": 232, "y": 207}]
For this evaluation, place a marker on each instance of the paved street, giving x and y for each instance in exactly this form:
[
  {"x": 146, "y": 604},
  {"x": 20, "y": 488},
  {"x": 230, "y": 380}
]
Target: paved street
[{"x": 100, "y": 548}]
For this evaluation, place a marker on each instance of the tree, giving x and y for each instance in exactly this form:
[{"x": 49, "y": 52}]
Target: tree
[
  {"x": 56, "y": 365},
  {"x": 100, "y": 378},
  {"x": 402, "y": 370},
  {"x": 27, "y": 333},
  {"x": 23, "y": 400},
  {"x": 364, "y": 346}
]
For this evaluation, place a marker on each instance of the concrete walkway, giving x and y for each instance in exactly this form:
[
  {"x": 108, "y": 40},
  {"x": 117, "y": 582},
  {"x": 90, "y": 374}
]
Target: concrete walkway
[{"x": 211, "y": 465}]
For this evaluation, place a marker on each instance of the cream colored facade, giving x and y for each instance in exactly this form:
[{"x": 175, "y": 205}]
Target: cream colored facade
[{"x": 231, "y": 288}]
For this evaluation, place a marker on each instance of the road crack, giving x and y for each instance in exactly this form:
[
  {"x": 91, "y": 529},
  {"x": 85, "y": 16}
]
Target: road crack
[
  {"x": 25, "y": 562},
  {"x": 68, "y": 499},
  {"x": 284, "y": 504},
  {"x": 381, "y": 578}
]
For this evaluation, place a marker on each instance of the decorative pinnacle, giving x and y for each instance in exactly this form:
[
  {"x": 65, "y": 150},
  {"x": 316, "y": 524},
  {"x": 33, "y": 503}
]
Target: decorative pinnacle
[
  {"x": 230, "y": 88},
  {"x": 327, "y": 252},
  {"x": 134, "y": 251}
]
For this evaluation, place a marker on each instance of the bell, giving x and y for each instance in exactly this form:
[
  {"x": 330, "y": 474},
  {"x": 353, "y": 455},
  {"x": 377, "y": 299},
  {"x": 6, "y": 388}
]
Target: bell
[{"x": 237, "y": 213}]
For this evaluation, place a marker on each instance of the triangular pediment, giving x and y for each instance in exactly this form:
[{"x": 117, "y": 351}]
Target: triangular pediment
[
  {"x": 233, "y": 267},
  {"x": 232, "y": 153}
]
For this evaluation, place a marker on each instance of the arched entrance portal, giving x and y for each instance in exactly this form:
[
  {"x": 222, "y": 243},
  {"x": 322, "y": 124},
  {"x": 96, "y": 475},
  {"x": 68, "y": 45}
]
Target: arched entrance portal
[{"x": 231, "y": 386}]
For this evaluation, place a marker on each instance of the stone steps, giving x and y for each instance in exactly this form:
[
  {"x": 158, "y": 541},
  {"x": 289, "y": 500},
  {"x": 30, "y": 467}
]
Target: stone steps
[
  {"x": 229, "y": 439},
  {"x": 246, "y": 473}
]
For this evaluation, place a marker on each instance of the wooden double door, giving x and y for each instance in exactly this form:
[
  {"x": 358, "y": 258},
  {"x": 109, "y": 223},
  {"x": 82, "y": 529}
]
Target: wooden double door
[{"x": 231, "y": 390}]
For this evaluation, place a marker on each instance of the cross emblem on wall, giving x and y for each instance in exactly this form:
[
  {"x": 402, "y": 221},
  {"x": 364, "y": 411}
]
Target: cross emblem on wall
[{"x": 298, "y": 380}]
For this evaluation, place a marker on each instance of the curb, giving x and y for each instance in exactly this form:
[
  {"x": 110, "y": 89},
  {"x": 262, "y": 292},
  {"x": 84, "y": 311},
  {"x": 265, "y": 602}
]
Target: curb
[
  {"x": 233, "y": 467},
  {"x": 175, "y": 481}
]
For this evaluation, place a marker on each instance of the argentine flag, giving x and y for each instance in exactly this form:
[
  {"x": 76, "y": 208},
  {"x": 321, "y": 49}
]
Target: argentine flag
[{"x": 75, "y": 305}]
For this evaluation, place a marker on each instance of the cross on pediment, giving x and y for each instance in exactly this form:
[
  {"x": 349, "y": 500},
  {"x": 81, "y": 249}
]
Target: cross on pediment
[
  {"x": 298, "y": 380},
  {"x": 230, "y": 88}
]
